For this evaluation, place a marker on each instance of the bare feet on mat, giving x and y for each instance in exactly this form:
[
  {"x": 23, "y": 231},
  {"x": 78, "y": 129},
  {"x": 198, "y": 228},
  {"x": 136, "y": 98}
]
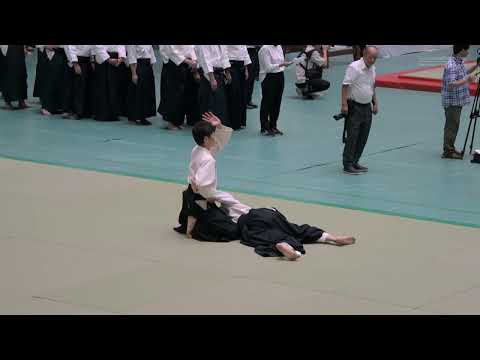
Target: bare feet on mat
[
  {"x": 45, "y": 112},
  {"x": 288, "y": 251},
  {"x": 170, "y": 126},
  {"x": 340, "y": 240}
]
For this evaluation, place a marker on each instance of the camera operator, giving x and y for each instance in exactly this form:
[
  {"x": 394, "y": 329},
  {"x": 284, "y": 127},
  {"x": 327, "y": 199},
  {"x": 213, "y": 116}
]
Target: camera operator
[
  {"x": 358, "y": 103},
  {"x": 455, "y": 94},
  {"x": 309, "y": 71}
]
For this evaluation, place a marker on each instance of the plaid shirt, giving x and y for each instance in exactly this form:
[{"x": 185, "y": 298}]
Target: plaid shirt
[{"x": 454, "y": 71}]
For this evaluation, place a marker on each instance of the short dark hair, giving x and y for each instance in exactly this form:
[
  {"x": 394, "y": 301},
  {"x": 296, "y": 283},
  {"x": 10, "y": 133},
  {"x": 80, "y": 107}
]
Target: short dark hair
[
  {"x": 200, "y": 130},
  {"x": 458, "y": 48}
]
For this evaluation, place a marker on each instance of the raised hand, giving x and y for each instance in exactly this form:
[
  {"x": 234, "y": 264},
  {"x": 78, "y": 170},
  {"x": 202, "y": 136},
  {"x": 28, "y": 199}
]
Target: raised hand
[{"x": 212, "y": 119}]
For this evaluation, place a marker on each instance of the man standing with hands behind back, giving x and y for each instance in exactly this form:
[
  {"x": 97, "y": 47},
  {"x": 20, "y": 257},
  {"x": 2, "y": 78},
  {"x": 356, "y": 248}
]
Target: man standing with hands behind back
[{"x": 358, "y": 103}]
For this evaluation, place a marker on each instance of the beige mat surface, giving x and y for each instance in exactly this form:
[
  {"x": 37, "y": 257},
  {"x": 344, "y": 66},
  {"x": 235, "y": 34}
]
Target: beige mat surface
[{"x": 81, "y": 242}]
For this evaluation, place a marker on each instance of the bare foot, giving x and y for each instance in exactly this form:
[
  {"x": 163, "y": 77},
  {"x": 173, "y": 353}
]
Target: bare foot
[
  {"x": 170, "y": 126},
  {"x": 45, "y": 112},
  {"x": 66, "y": 115},
  {"x": 23, "y": 105},
  {"x": 340, "y": 240},
  {"x": 191, "y": 221},
  {"x": 288, "y": 251}
]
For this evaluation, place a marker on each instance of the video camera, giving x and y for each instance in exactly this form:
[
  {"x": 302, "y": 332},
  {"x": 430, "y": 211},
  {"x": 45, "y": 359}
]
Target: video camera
[{"x": 339, "y": 116}]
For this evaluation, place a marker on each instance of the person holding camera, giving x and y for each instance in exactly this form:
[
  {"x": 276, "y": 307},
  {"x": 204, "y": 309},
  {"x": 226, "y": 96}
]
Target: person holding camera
[
  {"x": 455, "y": 94},
  {"x": 358, "y": 103},
  {"x": 272, "y": 65},
  {"x": 309, "y": 71}
]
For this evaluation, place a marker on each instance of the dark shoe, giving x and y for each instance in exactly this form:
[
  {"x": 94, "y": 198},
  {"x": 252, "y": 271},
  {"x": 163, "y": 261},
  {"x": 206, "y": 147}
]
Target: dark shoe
[
  {"x": 251, "y": 106},
  {"x": 308, "y": 97},
  {"x": 452, "y": 155},
  {"x": 350, "y": 170},
  {"x": 277, "y": 132},
  {"x": 268, "y": 133},
  {"x": 145, "y": 122},
  {"x": 360, "y": 168}
]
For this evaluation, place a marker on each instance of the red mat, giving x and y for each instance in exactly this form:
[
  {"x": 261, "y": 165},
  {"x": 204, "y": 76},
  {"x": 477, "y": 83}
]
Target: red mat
[{"x": 402, "y": 80}]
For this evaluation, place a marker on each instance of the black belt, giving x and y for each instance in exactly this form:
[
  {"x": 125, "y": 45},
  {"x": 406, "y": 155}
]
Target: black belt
[
  {"x": 358, "y": 104},
  {"x": 237, "y": 62},
  {"x": 143, "y": 60},
  {"x": 83, "y": 59}
]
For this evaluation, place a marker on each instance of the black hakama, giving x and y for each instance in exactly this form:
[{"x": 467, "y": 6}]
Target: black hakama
[
  {"x": 108, "y": 92},
  {"x": 42, "y": 61},
  {"x": 15, "y": 74},
  {"x": 213, "y": 101},
  {"x": 264, "y": 228},
  {"x": 2, "y": 69},
  {"x": 141, "y": 97},
  {"x": 182, "y": 94},
  {"x": 82, "y": 89},
  {"x": 56, "y": 94},
  {"x": 213, "y": 223},
  {"x": 236, "y": 96},
  {"x": 163, "y": 91}
]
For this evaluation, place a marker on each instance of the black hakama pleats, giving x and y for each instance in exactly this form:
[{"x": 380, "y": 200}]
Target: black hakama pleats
[
  {"x": 141, "y": 96},
  {"x": 264, "y": 228},
  {"x": 14, "y": 86}
]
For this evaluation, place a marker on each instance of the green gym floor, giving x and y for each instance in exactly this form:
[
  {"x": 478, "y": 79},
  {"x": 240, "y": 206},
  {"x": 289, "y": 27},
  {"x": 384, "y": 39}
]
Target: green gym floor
[{"x": 97, "y": 238}]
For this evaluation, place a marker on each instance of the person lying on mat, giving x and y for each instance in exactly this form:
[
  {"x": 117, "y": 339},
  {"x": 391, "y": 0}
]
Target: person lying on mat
[{"x": 267, "y": 230}]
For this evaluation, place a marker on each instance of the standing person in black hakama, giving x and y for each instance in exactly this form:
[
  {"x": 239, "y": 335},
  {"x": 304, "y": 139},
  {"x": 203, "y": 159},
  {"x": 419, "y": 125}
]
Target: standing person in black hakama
[
  {"x": 214, "y": 69},
  {"x": 81, "y": 58},
  {"x": 108, "y": 100},
  {"x": 141, "y": 92},
  {"x": 14, "y": 84},
  {"x": 181, "y": 101},
  {"x": 237, "y": 89},
  {"x": 56, "y": 92}
]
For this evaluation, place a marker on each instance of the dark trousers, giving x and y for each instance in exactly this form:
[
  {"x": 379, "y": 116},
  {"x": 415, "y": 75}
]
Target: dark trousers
[
  {"x": 253, "y": 70},
  {"x": 452, "y": 122},
  {"x": 214, "y": 101},
  {"x": 237, "y": 105},
  {"x": 358, "y": 123},
  {"x": 313, "y": 86},
  {"x": 180, "y": 101},
  {"x": 272, "y": 92}
]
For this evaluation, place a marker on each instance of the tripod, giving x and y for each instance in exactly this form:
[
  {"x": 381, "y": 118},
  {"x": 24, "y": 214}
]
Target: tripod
[{"x": 474, "y": 114}]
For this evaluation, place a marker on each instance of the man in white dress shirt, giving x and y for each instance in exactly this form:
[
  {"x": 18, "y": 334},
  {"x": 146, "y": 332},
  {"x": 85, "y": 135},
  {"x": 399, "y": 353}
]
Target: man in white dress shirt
[{"x": 358, "y": 104}]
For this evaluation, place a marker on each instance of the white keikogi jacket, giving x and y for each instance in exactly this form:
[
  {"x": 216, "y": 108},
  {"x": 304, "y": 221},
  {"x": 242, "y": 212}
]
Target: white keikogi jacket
[{"x": 203, "y": 173}]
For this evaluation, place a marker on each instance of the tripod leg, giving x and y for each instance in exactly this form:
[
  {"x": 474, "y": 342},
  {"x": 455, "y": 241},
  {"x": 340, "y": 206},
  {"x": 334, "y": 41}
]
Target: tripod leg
[
  {"x": 466, "y": 137},
  {"x": 473, "y": 135}
]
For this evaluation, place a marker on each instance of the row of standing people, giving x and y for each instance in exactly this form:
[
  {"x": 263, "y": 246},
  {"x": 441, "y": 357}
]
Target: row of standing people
[{"x": 108, "y": 81}]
